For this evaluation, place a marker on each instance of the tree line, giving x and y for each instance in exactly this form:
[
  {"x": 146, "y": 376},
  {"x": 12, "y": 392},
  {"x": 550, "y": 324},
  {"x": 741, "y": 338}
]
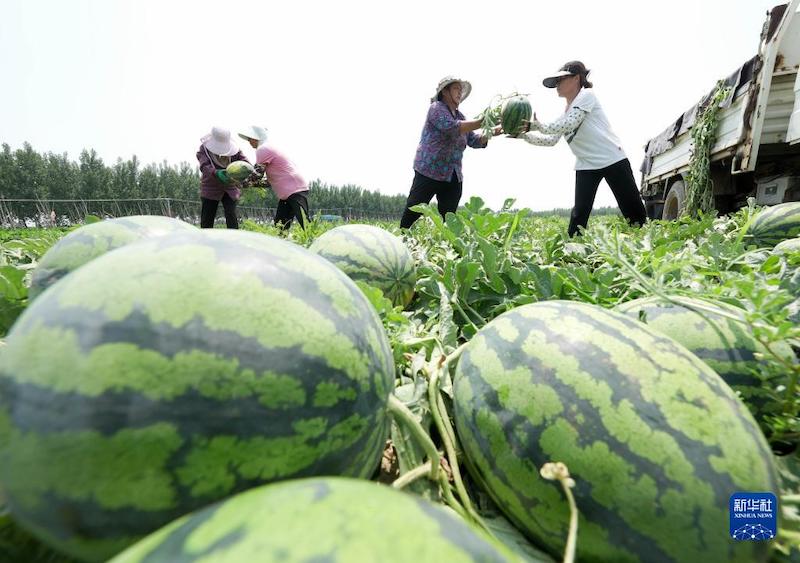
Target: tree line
[{"x": 28, "y": 174}]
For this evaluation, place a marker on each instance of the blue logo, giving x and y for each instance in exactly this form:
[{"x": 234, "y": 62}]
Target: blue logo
[{"x": 753, "y": 516}]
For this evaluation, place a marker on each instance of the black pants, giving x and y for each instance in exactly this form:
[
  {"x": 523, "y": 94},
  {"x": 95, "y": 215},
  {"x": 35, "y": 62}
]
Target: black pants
[
  {"x": 208, "y": 212},
  {"x": 296, "y": 205},
  {"x": 448, "y": 194},
  {"x": 620, "y": 179}
]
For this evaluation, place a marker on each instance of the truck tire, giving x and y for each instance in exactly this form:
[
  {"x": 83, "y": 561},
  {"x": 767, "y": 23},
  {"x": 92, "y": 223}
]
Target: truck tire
[{"x": 675, "y": 202}]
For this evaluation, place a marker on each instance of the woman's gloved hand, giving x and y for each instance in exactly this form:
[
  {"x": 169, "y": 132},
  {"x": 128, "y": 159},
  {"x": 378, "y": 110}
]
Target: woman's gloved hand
[{"x": 223, "y": 176}]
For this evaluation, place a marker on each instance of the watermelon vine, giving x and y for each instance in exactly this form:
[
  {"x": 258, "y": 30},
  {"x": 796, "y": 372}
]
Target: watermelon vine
[
  {"x": 492, "y": 115},
  {"x": 700, "y": 191}
]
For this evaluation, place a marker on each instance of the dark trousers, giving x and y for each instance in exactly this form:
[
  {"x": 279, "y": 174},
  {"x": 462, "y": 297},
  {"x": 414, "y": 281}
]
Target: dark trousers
[
  {"x": 294, "y": 206},
  {"x": 448, "y": 194},
  {"x": 619, "y": 177},
  {"x": 208, "y": 212}
]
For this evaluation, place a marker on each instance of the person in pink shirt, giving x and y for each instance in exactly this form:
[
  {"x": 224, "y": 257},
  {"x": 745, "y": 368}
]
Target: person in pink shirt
[{"x": 288, "y": 185}]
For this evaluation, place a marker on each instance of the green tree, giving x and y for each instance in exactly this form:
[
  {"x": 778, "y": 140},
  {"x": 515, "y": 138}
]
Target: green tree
[
  {"x": 62, "y": 178},
  {"x": 125, "y": 179},
  {"x": 95, "y": 176}
]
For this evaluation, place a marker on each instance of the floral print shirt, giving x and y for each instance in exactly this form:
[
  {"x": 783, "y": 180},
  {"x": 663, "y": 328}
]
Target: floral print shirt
[{"x": 441, "y": 146}]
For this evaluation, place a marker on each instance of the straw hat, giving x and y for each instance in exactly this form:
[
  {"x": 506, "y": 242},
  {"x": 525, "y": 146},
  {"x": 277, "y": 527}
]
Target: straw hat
[{"x": 466, "y": 87}]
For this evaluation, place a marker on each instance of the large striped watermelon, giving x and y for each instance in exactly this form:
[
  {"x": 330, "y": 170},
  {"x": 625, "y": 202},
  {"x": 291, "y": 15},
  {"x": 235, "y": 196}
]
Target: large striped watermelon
[
  {"x": 332, "y": 520},
  {"x": 775, "y": 224},
  {"x": 514, "y": 111},
  {"x": 788, "y": 246},
  {"x": 95, "y": 239},
  {"x": 726, "y": 345},
  {"x": 176, "y": 371},
  {"x": 372, "y": 255},
  {"x": 656, "y": 441}
]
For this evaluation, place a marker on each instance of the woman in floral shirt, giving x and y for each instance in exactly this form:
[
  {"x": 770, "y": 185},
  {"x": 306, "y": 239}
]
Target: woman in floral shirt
[{"x": 437, "y": 165}]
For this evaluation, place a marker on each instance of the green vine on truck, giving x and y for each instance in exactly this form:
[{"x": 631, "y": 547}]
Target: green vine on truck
[{"x": 699, "y": 189}]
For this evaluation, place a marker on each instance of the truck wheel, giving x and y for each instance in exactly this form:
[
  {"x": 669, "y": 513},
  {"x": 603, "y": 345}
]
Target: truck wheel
[{"x": 675, "y": 202}]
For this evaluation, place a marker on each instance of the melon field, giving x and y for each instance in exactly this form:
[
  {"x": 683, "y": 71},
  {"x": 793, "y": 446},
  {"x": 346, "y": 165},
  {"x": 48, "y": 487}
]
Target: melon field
[{"x": 480, "y": 388}]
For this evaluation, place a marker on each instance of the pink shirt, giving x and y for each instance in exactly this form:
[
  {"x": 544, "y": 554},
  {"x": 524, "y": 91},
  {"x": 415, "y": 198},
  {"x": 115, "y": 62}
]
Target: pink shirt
[{"x": 281, "y": 173}]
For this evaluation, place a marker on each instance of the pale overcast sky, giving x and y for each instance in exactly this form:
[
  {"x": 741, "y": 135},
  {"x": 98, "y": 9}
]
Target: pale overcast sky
[{"x": 344, "y": 86}]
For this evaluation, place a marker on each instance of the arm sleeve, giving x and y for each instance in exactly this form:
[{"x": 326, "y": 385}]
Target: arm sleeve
[
  {"x": 476, "y": 141},
  {"x": 541, "y": 140},
  {"x": 440, "y": 118},
  {"x": 567, "y": 123},
  {"x": 206, "y": 166}
]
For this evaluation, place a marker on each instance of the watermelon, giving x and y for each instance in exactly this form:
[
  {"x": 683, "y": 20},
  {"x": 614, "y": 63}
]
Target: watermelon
[
  {"x": 177, "y": 371},
  {"x": 90, "y": 241},
  {"x": 654, "y": 439},
  {"x": 17, "y": 545},
  {"x": 515, "y": 110},
  {"x": 239, "y": 170},
  {"x": 775, "y": 224},
  {"x": 320, "y": 519},
  {"x": 371, "y": 255},
  {"x": 788, "y": 246},
  {"x": 726, "y": 345}
]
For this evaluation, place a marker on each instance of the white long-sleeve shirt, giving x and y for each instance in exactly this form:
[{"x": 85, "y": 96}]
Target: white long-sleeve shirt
[{"x": 585, "y": 127}]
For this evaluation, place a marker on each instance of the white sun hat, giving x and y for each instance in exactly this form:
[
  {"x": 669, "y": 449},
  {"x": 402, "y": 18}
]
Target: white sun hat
[
  {"x": 219, "y": 142},
  {"x": 254, "y": 132}
]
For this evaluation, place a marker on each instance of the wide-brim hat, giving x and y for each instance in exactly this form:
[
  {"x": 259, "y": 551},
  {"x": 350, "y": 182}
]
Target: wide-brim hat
[
  {"x": 254, "y": 132},
  {"x": 466, "y": 87},
  {"x": 219, "y": 142}
]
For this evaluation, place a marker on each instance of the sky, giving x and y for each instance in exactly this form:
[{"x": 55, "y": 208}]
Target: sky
[{"x": 343, "y": 87}]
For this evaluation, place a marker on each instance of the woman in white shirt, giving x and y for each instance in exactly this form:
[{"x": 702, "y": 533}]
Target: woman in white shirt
[{"x": 597, "y": 149}]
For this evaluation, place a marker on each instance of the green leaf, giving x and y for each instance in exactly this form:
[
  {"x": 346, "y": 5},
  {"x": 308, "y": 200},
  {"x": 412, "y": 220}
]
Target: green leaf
[
  {"x": 375, "y": 296},
  {"x": 771, "y": 265},
  {"x": 508, "y": 204},
  {"x": 515, "y": 274},
  {"x": 475, "y": 204},
  {"x": 466, "y": 274},
  {"x": 489, "y": 253},
  {"x": 12, "y": 286},
  {"x": 455, "y": 223}
]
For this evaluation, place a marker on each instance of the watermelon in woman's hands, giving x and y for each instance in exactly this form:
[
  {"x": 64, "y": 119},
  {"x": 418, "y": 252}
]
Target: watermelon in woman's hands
[
  {"x": 515, "y": 110},
  {"x": 239, "y": 170}
]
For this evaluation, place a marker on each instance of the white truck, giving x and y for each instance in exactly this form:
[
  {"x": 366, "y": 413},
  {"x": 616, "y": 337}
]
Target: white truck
[{"x": 757, "y": 152}]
